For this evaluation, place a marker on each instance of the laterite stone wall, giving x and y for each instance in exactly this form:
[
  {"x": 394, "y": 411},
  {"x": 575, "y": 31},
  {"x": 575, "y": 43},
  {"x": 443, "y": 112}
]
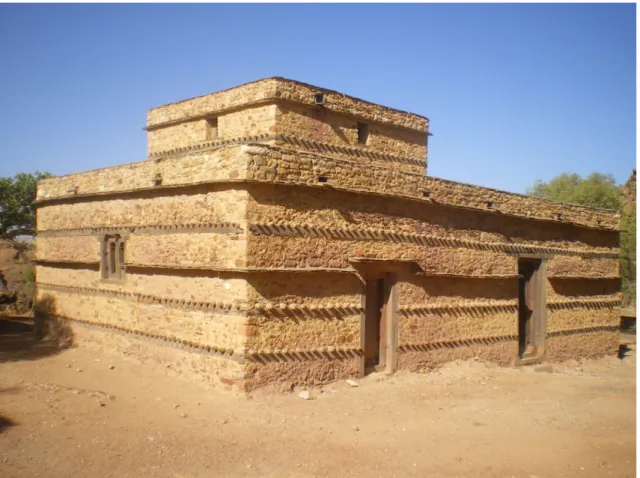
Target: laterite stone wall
[{"x": 242, "y": 250}]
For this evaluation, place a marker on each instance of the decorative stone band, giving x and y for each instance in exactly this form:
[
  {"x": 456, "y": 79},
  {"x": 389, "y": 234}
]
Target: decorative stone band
[
  {"x": 170, "y": 340},
  {"x": 207, "y": 269},
  {"x": 91, "y": 265},
  {"x": 210, "y": 146},
  {"x": 305, "y": 144},
  {"x": 194, "y": 269},
  {"x": 460, "y": 309},
  {"x": 450, "y": 344},
  {"x": 217, "y": 307},
  {"x": 584, "y": 303},
  {"x": 298, "y": 354},
  {"x": 584, "y": 330},
  {"x": 327, "y": 311},
  {"x": 220, "y": 227},
  {"x": 371, "y": 234},
  {"x": 567, "y": 277},
  {"x": 471, "y": 309},
  {"x": 349, "y": 150}
]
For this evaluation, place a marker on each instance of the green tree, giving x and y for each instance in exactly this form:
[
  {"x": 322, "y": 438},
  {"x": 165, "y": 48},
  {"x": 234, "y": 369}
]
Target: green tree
[
  {"x": 17, "y": 213},
  {"x": 597, "y": 190}
]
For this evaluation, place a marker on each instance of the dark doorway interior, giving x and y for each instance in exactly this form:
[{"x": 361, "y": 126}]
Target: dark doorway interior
[
  {"x": 530, "y": 306},
  {"x": 375, "y": 324}
]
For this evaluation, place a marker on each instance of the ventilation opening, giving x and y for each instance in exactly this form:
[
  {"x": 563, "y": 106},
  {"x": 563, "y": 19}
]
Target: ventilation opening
[
  {"x": 157, "y": 180},
  {"x": 489, "y": 205},
  {"x": 363, "y": 133},
  {"x": 323, "y": 179},
  {"x": 560, "y": 217},
  {"x": 426, "y": 194},
  {"x": 212, "y": 128},
  {"x": 319, "y": 97}
]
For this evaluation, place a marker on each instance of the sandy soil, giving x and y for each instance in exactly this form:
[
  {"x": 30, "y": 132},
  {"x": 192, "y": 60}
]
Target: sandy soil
[{"x": 84, "y": 413}]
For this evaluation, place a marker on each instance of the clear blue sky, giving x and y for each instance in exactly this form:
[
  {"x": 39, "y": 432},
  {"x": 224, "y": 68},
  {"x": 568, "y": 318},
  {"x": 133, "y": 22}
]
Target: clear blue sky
[{"x": 513, "y": 92}]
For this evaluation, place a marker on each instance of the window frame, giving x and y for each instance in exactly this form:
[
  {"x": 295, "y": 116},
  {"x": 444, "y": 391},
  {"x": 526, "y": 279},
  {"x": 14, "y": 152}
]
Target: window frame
[{"x": 112, "y": 261}]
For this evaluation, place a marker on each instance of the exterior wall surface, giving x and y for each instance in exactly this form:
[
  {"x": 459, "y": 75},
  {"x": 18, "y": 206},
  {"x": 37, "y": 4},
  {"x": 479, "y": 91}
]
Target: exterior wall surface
[
  {"x": 462, "y": 304},
  {"x": 287, "y": 112},
  {"x": 246, "y": 255}
]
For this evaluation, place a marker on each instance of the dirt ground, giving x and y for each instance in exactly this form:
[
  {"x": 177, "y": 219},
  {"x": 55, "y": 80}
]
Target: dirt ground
[{"x": 82, "y": 412}]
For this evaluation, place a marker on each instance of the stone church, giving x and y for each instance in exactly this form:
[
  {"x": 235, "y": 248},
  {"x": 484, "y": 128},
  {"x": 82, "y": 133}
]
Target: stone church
[{"x": 282, "y": 233}]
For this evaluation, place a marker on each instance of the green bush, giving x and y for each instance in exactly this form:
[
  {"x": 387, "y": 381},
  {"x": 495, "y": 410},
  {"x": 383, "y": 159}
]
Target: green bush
[{"x": 29, "y": 276}]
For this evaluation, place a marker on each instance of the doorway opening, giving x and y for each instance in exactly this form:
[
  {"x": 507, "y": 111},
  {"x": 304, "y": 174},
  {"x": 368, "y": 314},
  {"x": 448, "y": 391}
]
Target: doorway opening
[
  {"x": 378, "y": 325},
  {"x": 531, "y": 308}
]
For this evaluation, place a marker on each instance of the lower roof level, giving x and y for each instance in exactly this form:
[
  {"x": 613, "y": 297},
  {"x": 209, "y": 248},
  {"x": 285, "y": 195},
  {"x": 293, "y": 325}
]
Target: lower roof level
[{"x": 238, "y": 163}]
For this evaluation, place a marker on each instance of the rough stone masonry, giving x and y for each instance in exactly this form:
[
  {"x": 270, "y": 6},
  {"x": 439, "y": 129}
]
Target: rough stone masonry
[{"x": 281, "y": 233}]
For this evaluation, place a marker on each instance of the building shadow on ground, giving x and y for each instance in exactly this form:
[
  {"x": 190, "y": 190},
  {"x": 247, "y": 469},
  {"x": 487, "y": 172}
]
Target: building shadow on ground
[
  {"x": 32, "y": 338},
  {"x": 6, "y": 423},
  {"x": 19, "y": 341}
]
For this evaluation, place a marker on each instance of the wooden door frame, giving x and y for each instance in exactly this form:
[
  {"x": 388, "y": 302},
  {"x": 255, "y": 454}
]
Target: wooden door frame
[
  {"x": 539, "y": 316},
  {"x": 388, "y": 322}
]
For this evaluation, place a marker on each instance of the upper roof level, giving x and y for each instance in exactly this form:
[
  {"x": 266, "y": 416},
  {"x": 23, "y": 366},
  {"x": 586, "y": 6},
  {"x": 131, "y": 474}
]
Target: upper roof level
[{"x": 295, "y": 115}]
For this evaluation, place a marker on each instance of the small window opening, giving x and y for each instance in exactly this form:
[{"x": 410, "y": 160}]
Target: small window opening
[
  {"x": 323, "y": 179},
  {"x": 426, "y": 194},
  {"x": 489, "y": 205},
  {"x": 157, "y": 180},
  {"x": 212, "y": 128},
  {"x": 319, "y": 97},
  {"x": 363, "y": 133},
  {"x": 112, "y": 264},
  {"x": 560, "y": 217}
]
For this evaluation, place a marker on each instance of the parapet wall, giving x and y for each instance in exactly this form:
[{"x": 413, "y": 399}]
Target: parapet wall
[
  {"x": 264, "y": 163},
  {"x": 225, "y": 164},
  {"x": 270, "y": 89},
  {"x": 274, "y": 164}
]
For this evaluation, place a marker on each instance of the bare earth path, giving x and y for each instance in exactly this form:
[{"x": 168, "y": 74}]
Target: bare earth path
[{"x": 74, "y": 415}]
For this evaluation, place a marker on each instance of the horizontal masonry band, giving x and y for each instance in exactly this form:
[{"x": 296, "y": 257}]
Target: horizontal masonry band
[
  {"x": 319, "y": 353},
  {"x": 355, "y": 233},
  {"x": 190, "y": 270},
  {"x": 219, "y": 227},
  {"x": 169, "y": 340},
  {"x": 471, "y": 198},
  {"x": 279, "y": 99},
  {"x": 346, "y": 234},
  {"x": 325, "y": 310},
  {"x": 448, "y": 344},
  {"x": 310, "y": 145},
  {"x": 209, "y": 271}
]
